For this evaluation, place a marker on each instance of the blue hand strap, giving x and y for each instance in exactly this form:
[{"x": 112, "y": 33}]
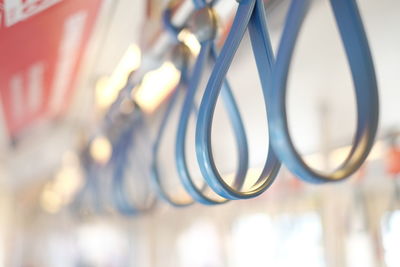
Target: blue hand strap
[
  {"x": 203, "y": 15},
  {"x": 273, "y": 76},
  {"x": 120, "y": 160},
  {"x": 155, "y": 175},
  {"x": 90, "y": 188},
  {"x": 208, "y": 51},
  {"x": 251, "y": 15},
  {"x": 359, "y": 57}
]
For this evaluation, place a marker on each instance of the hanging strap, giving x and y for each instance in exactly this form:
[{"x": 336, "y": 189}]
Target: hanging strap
[
  {"x": 359, "y": 57},
  {"x": 120, "y": 161},
  {"x": 250, "y": 14},
  {"x": 205, "y": 25}
]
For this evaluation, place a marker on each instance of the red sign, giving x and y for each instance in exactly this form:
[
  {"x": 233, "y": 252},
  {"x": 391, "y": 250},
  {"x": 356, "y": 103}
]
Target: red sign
[{"x": 41, "y": 44}]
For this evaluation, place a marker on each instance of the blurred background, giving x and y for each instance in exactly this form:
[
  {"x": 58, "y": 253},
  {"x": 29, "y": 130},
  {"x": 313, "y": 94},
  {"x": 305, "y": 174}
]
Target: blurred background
[{"x": 63, "y": 63}]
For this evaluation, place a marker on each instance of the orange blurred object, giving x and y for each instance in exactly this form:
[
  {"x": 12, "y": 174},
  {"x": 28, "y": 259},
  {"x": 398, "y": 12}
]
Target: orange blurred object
[{"x": 393, "y": 161}]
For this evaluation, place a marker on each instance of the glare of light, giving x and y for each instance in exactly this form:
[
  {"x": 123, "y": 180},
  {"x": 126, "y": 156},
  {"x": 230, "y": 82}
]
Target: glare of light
[
  {"x": 156, "y": 86},
  {"x": 339, "y": 155},
  {"x": 190, "y": 40},
  {"x": 100, "y": 149},
  {"x": 104, "y": 94},
  {"x": 377, "y": 151},
  {"x": 251, "y": 178},
  {"x": 315, "y": 159},
  {"x": 50, "y": 200},
  {"x": 67, "y": 182},
  {"x": 107, "y": 88}
]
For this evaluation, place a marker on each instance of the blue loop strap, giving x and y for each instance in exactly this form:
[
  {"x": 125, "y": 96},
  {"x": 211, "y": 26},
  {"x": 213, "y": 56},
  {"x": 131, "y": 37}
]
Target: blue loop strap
[
  {"x": 155, "y": 175},
  {"x": 359, "y": 57},
  {"x": 208, "y": 51},
  {"x": 273, "y": 76},
  {"x": 251, "y": 15},
  {"x": 90, "y": 191},
  {"x": 120, "y": 160}
]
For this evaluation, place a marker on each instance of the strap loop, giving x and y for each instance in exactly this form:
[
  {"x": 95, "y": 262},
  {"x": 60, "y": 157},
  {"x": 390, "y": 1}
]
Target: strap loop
[
  {"x": 250, "y": 14},
  {"x": 359, "y": 57}
]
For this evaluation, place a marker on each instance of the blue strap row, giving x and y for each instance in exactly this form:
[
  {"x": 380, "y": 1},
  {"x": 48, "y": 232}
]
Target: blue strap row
[
  {"x": 155, "y": 174},
  {"x": 190, "y": 88},
  {"x": 273, "y": 74}
]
